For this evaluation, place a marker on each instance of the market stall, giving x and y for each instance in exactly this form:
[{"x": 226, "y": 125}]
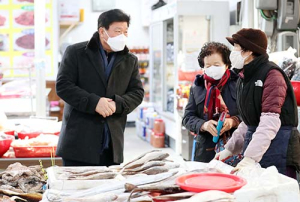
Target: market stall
[{"x": 152, "y": 176}]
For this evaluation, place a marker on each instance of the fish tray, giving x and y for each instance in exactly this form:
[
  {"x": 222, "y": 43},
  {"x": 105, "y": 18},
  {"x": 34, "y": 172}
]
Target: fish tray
[
  {"x": 34, "y": 151},
  {"x": 70, "y": 185}
]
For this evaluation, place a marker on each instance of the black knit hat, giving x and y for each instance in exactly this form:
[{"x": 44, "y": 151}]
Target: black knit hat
[{"x": 253, "y": 40}]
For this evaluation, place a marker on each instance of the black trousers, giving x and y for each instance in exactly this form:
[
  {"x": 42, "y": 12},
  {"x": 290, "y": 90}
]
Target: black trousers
[{"x": 106, "y": 159}]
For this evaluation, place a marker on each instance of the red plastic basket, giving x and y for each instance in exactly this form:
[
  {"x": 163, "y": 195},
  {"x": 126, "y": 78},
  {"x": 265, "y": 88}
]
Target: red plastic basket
[
  {"x": 5, "y": 144},
  {"x": 34, "y": 151},
  {"x": 23, "y": 135},
  {"x": 11, "y": 132}
]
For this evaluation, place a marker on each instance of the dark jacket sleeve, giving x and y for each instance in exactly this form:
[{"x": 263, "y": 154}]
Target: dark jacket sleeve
[
  {"x": 134, "y": 95},
  {"x": 190, "y": 119},
  {"x": 274, "y": 92},
  {"x": 66, "y": 84}
]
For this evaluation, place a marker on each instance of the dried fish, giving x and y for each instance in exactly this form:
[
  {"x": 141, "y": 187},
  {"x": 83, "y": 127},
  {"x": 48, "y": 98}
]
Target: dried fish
[
  {"x": 141, "y": 197},
  {"x": 97, "y": 198},
  {"x": 82, "y": 170},
  {"x": 135, "y": 180},
  {"x": 210, "y": 196},
  {"x": 30, "y": 197},
  {"x": 130, "y": 187},
  {"x": 155, "y": 170},
  {"x": 157, "y": 155},
  {"x": 146, "y": 166},
  {"x": 11, "y": 188},
  {"x": 97, "y": 176},
  {"x": 115, "y": 167},
  {"x": 139, "y": 157},
  {"x": 30, "y": 184},
  {"x": 157, "y": 189},
  {"x": 177, "y": 196},
  {"x": 171, "y": 165},
  {"x": 20, "y": 178}
]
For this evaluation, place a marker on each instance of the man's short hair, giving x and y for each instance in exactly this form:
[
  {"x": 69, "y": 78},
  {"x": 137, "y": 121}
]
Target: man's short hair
[{"x": 111, "y": 16}]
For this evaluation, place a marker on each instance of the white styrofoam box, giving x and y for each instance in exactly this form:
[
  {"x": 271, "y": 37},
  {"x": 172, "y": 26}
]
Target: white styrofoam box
[
  {"x": 267, "y": 185},
  {"x": 57, "y": 184},
  {"x": 69, "y": 11}
]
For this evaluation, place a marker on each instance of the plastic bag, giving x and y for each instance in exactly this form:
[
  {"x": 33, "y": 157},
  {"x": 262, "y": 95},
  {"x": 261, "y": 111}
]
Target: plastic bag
[{"x": 286, "y": 60}]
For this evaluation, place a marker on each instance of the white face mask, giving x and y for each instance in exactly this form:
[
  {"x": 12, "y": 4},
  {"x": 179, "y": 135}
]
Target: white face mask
[
  {"x": 215, "y": 72},
  {"x": 117, "y": 43},
  {"x": 237, "y": 60}
]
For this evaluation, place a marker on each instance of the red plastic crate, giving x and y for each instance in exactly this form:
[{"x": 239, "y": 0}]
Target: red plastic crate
[{"x": 34, "y": 151}]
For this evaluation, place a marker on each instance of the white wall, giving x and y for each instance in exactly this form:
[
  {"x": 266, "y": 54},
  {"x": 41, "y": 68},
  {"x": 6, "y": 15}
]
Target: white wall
[{"x": 138, "y": 35}]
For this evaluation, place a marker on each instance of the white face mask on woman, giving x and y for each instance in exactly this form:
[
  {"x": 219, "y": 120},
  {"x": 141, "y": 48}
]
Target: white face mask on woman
[
  {"x": 117, "y": 43},
  {"x": 237, "y": 60},
  {"x": 215, "y": 72}
]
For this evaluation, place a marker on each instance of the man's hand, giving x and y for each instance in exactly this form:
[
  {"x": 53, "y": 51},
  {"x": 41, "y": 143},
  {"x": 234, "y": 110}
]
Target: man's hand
[
  {"x": 228, "y": 124},
  {"x": 113, "y": 104},
  {"x": 210, "y": 126},
  {"x": 105, "y": 108}
]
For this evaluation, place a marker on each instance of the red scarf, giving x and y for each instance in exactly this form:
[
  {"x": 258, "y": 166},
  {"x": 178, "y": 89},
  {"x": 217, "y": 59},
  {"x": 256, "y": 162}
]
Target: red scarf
[{"x": 213, "y": 103}]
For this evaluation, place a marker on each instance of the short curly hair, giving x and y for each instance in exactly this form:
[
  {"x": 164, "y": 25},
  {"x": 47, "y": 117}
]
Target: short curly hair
[{"x": 210, "y": 48}]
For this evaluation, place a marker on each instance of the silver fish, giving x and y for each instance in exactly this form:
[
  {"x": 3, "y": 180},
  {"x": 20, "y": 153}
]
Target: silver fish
[
  {"x": 97, "y": 176},
  {"x": 146, "y": 166},
  {"x": 210, "y": 196},
  {"x": 155, "y": 170},
  {"x": 177, "y": 196},
  {"x": 157, "y": 155},
  {"x": 137, "y": 158},
  {"x": 97, "y": 198},
  {"x": 135, "y": 180}
]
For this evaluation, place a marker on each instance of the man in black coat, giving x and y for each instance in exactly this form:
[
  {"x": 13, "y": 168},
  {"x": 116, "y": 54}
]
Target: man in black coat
[{"x": 100, "y": 84}]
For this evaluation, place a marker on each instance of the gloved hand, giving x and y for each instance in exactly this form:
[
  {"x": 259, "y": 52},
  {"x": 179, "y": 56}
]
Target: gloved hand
[
  {"x": 223, "y": 155},
  {"x": 246, "y": 162},
  {"x": 210, "y": 126}
]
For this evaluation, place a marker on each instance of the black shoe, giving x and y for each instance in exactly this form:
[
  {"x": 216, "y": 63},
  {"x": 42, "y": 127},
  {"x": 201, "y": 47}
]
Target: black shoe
[{"x": 159, "y": 4}]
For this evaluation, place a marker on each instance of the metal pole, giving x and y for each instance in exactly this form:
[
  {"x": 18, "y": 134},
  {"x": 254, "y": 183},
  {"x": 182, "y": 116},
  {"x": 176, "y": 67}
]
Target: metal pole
[{"x": 39, "y": 42}]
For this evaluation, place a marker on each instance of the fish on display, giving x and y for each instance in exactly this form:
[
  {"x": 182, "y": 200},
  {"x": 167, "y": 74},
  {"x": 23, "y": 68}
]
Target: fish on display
[
  {"x": 147, "y": 165},
  {"x": 152, "y": 189},
  {"x": 111, "y": 187},
  {"x": 209, "y": 196},
  {"x": 173, "y": 197},
  {"x": 22, "y": 179},
  {"x": 137, "y": 158},
  {"x": 156, "y": 155}
]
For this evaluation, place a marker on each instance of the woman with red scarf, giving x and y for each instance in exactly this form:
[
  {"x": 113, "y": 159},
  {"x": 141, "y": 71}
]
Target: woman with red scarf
[{"x": 212, "y": 94}]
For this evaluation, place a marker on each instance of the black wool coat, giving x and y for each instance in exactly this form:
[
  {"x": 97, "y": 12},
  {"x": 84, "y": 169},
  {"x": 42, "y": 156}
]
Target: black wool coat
[{"x": 81, "y": 83}]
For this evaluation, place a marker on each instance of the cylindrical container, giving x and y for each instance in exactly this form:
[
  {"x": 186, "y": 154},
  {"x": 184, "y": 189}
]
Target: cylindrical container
[
  {"x": 152, "y": 138},
  {"x": 158, "y": 140},
  {"x": 159, "y": 126}
]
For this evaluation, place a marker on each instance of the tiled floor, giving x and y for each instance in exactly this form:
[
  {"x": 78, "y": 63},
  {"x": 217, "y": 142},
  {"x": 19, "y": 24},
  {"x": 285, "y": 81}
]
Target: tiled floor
[{"x": 134, "y": 146}]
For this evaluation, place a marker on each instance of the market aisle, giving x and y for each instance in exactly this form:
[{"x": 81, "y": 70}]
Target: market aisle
[{"x": 134, "y": 146}]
